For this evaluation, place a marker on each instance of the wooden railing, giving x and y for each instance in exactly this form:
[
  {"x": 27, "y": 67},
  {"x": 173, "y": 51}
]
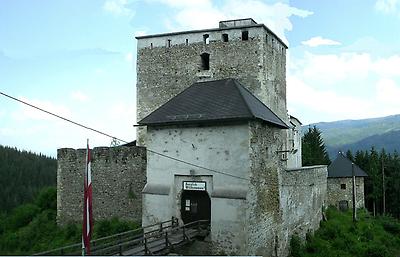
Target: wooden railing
[{"x": 143, "y": 241}]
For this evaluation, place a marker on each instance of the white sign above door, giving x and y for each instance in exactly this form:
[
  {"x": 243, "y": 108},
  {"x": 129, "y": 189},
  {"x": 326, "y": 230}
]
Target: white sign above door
[{"x": 194, "y": 185}]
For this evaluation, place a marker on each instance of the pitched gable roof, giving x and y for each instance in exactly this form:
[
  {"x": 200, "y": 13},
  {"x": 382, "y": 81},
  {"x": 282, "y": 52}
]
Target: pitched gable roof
[
  {"x": 341, "y": 167},
  {"x": 219, "y": 100}
]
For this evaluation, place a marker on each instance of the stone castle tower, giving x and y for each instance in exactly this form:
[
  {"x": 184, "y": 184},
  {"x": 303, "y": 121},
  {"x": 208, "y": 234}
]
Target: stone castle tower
[{"x": 241, "y": 49}]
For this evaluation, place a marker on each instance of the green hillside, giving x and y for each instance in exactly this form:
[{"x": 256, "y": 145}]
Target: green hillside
[
  {"x": 360, "y": 134},
  {"x": 22, "y": 175}
]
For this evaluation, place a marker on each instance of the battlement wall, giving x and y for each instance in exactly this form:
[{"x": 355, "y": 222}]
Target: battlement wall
[{"x": 118, "y": 177}]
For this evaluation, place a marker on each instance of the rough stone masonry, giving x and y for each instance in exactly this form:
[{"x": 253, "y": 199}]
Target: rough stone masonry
[{"x": 118, "y": 177}]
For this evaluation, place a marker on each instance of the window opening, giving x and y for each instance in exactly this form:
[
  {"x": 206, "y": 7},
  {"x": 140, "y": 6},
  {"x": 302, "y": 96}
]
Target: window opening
[
  {"x": 225, "y": 37},
  {"x": 206, "y": 39},
  {"x": 205, "y": 61},
  {"x": 343, "y": 186},
  {"x": 266, "y": 38},
  {"x": 169, "y": 42},
  {"x": 187, "y": 41},
  {"x": 245, "y": 35},
  {"x": 151, "y": 45}
]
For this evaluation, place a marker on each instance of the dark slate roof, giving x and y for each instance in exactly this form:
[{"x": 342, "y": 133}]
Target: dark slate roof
[
  {"x": 211, "y": 101},
  {"x": 341, "y": 167}
]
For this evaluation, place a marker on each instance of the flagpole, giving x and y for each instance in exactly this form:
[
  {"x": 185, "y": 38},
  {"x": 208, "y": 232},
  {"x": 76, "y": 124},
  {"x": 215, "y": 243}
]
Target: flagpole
[{"x": 86, "y": 223}]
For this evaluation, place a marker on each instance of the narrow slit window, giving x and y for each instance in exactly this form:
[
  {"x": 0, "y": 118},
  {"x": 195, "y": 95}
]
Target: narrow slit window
[
  {"x": 187, "y": 41},
  {"x": 151, "y": 45},
  {"x": 266, "y": 38},
  {"x": 205, "y": 61},
  {"x": 225, "y": 37},
  {"x": 245, "y": 35},
  {"x": 206, "y": 39},
  {"x": 169, "y": 42}
]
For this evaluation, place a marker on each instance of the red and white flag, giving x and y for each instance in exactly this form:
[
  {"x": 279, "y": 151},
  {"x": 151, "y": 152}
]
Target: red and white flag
[{"x": 87, "y": 205}]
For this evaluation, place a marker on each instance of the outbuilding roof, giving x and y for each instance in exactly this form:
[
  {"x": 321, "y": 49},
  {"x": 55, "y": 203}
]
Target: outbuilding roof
[
  {"x": 341, "y": 168},
  {"x": 212, "y": 101}
]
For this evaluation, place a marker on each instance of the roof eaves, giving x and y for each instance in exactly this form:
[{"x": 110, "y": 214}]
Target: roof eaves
[{"x": 186, "y": 122}]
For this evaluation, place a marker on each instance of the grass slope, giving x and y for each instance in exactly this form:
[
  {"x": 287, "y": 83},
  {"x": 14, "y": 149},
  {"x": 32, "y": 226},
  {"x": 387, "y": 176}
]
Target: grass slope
[{"x": 339, "y": 236}]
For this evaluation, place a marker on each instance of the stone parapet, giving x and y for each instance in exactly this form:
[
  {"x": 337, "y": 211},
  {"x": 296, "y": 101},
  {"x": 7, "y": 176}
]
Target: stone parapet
[{"x": 118, "y": 177}]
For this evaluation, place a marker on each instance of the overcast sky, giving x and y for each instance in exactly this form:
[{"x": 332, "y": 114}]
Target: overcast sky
[{"x": 77, "y": 58}]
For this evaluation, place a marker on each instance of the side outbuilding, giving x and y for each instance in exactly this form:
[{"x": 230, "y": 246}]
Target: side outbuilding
[{"x": 340, "y": 187}]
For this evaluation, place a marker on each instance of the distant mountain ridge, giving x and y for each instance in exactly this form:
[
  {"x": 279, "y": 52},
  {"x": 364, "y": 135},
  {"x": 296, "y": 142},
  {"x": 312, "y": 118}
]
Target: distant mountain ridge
[{"x": 382, "y": 132}]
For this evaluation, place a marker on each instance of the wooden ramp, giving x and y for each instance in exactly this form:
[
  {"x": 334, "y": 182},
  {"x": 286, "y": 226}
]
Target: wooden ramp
[{"x": 157, "y": 239}]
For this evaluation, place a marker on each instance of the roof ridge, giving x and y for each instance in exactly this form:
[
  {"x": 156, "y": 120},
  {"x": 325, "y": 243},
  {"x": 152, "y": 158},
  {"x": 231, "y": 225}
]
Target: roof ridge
[
  {"x": 237, "y": 85},
  {"x": 248, "y": 91}
]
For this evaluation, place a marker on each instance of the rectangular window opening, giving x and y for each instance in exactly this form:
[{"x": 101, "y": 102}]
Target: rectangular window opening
[
  {"x": 169, "y": 42},
  {"x": 225, "y": 38},
  {"x": 343, "y": 186},
  {"x": 187, "y": 41},
  {"x": 245, "y": 35},
  {"x": 205, "y": 61},
  {"x": 206, "y": 39}
]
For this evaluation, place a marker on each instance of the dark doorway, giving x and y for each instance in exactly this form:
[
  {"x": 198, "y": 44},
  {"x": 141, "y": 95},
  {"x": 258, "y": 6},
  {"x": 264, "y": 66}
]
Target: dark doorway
[
  {"x": 195, "y": 205},
  {"x": 343, "y": 205}
]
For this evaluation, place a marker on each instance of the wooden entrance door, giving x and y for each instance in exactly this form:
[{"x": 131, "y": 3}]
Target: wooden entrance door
[{"x": 195, "y": 205}]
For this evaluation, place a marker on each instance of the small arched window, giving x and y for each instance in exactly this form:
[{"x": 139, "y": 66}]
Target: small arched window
[{"x": 205, "y": 61}]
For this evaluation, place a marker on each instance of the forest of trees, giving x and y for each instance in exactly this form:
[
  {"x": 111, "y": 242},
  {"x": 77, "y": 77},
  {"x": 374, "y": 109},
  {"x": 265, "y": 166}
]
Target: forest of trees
[
  {"x": 383, "y": 169},
  {"x": 22, "y": 175},
  {"x": 383, "y": 180}
]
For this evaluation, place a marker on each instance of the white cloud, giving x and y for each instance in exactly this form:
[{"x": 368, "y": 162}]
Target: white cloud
[
  {"x": 320, "y": 41},
  {"x": 205, "y": 13},
  {"x": 323, "y": 104},
  {"x": 388, "y": 66},
  {"x": 79, "y": 96},
  {"x": 328, "y": 87},
  {"x": 118, "y": 8},
  {"x": 388, "y": 92},
  {"x": 387, "y": 6},
  {"x": 331, "y": 68}
]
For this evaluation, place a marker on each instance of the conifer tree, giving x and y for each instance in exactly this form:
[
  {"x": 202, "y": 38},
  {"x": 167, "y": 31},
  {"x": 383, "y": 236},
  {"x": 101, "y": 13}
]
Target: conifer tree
[{"x": 313, "y": 148}]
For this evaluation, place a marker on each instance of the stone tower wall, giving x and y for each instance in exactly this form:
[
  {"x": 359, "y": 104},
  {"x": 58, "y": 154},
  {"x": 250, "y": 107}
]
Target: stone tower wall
[
  {"x": 166, "y": 65},
  {"x": 118, "y": 177}
]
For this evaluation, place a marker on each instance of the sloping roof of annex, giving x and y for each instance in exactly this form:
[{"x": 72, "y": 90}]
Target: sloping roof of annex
[{"x": 341, "y": 167}]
